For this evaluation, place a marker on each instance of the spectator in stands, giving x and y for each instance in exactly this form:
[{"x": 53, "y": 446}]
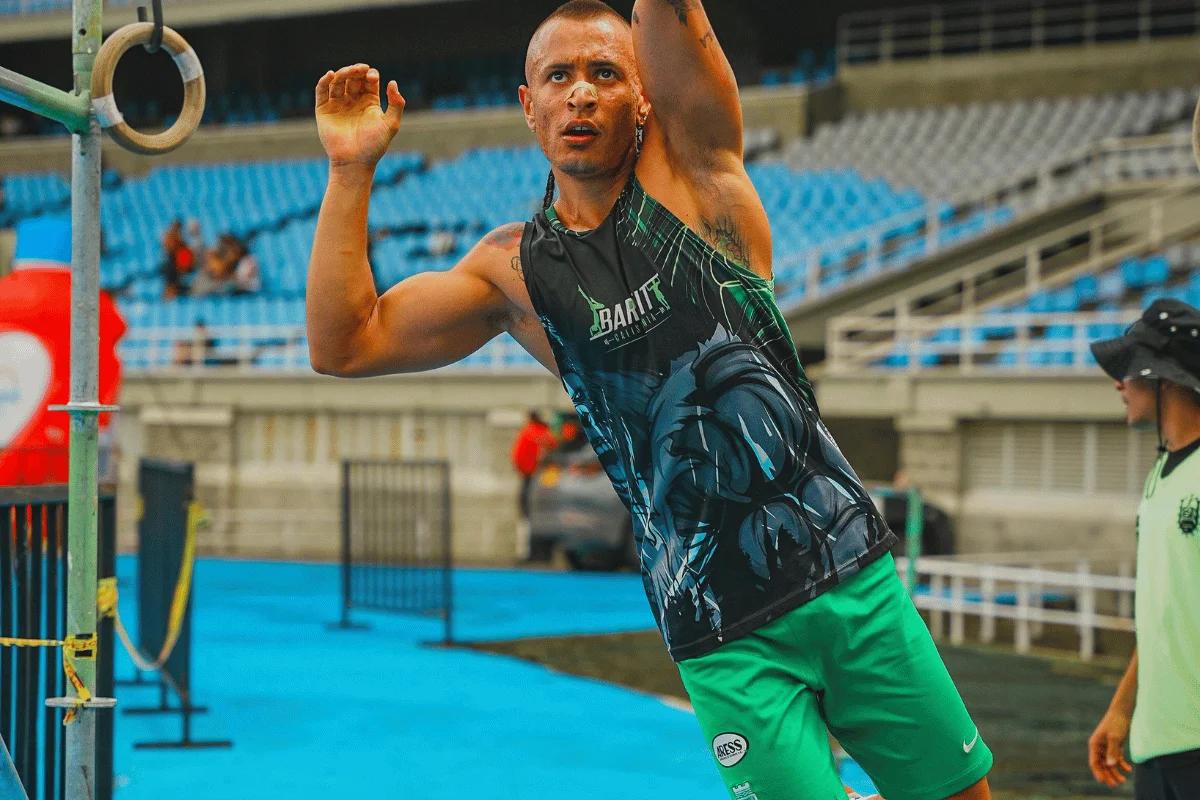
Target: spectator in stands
[
  {"x": 194, "y": 238},
  {"x": 1156, "y": 707},
  {"x": 213, "y": 276},
  {"x": 198, "y": 349},
  {"x": 178, "y": 261},
  {"x": 247, "y": 278}
]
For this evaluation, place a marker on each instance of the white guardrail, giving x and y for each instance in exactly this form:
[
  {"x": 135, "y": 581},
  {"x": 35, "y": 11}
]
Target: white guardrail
[
  {"x": 1031, "y": 596},
  {"x": 265, "y": 348},
  {"x": 981, "y": 342}
]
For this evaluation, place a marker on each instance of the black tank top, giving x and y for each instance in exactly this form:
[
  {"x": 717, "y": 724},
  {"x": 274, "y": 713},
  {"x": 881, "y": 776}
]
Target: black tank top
[{"x": 690, "y": 391}]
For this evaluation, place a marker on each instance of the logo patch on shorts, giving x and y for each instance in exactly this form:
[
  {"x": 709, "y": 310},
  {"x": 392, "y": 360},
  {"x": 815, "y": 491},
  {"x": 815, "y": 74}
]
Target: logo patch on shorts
[
  {"x": 730, "y": 748},
  {"x": 744, "y": 792}
]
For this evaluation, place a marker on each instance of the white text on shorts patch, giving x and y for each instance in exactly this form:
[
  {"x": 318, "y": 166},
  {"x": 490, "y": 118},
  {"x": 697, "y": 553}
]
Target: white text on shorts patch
[{"x": 730, "y": 748}]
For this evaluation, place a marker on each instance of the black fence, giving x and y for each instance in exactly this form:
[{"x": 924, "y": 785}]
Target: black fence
[
  {"x": 33, "y": 605},
  {"x": 167, "y": 490},
  {"x": 396, "y": 543}
]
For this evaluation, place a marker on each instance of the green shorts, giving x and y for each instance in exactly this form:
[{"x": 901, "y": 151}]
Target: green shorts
[{"x": 857, "y": 661}]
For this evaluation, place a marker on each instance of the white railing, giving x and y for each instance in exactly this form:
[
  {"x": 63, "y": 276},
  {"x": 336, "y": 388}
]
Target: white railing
[
  {"x": 966, "y": 299},
  {"x": 800, "y": 278},
  {"x": 983, "y": 27},
  {"x": 960, "y": 589},
  {"x": 1011, "y": 341},
  {"x": 265, "y": 348}
]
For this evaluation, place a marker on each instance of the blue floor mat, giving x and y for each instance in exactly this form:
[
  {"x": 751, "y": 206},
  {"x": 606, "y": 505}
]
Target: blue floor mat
[{"x": 315, "y": 713}]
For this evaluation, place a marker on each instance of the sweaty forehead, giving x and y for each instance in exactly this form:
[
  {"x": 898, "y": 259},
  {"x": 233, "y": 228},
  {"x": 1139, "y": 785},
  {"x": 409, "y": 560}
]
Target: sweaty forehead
[{"x": 569, "y": 41}]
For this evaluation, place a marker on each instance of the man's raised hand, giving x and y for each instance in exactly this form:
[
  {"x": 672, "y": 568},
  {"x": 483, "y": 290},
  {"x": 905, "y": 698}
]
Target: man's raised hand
[{"x": 354, "y": 128}]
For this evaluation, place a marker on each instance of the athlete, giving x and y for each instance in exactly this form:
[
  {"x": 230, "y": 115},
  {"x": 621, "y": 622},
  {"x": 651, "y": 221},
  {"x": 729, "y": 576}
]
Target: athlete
[
  {"x": 1156, "y": 707},
  {"x": 647, "y": 287}
]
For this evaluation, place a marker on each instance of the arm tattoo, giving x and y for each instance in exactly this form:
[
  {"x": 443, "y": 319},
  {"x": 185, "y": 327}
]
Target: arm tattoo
[
  {"x": 723, "y": 234},
  {"x": 682, "y": 7},
  {"x": 507, "y": 236},
  {"x": 636, "y": 21},
  {"x": 706, "y": 37},
  {"x": 516, "y": 265}
]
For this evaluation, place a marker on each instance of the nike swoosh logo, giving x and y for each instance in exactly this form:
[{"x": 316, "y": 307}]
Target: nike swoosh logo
[{"x": 967, "y": 748}]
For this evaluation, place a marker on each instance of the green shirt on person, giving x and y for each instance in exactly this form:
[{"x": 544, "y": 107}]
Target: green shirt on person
[{"x": 1166, "y": 718}]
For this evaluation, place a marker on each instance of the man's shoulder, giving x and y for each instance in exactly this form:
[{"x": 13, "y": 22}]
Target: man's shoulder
[
  {"x": 506, "y": 237},
  {"x": 497, "y": 256}
]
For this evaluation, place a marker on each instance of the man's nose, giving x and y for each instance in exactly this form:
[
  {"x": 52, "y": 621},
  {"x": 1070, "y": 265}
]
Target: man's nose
[{"x": 582, "y": 98}]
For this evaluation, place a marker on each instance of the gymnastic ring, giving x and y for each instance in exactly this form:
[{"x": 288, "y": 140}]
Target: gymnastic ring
[{"x": 105, "y": 105}]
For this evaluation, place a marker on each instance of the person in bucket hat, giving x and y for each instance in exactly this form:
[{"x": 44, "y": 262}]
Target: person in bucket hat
[{"x": 1156, "y": 707}]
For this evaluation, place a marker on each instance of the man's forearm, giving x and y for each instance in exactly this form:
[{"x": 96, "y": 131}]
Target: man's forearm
[
  {"x": 341, "y": 289},
  {"x": 1125, "y": 697}
]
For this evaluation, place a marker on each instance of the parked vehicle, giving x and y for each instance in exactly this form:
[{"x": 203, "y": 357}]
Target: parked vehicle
[{"x": 573, "y": 507}]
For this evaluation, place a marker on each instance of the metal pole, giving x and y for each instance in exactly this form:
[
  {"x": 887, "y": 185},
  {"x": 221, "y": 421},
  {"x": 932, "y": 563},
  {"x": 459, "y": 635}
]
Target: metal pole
[
  {"x": 70, "y": 109},
  {"x": 84, "y": 404}
]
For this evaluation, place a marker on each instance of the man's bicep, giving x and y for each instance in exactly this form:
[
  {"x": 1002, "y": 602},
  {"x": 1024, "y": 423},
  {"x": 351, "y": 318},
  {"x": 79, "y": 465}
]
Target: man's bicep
[
  {"x": 686, "y": 76},
  {"x": 430, "y": 320}
]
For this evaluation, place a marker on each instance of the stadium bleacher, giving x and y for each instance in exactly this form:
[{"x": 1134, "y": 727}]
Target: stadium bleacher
[
  {"x": 423, "y": 217},
  {"x": 886, "y": 171},
  {"x": 946, "y": 152}
]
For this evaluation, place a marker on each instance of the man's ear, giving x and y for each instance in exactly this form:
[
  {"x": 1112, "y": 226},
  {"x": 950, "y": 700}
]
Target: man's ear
[
  {"x": 526, "y": 97},
  {"x": 644, "y": 107}
]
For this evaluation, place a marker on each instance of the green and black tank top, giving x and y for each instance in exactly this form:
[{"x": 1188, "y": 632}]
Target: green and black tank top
[{"x": 690, "y": 391}]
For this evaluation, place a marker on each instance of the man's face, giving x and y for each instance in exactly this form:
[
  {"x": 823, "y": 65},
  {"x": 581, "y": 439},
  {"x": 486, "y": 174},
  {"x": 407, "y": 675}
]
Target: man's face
[
  {"x": 1139, "y": 396},
  {"x": 583, "y": 133}
]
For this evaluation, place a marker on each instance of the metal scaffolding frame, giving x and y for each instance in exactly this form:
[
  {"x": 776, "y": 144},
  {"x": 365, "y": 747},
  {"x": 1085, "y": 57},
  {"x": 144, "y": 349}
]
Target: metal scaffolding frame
[{"x": 84, "y": 115}]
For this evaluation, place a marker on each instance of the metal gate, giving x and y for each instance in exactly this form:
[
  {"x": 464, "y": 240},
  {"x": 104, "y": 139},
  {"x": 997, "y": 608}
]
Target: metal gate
[
  {"x": 33, "y": 605},
  {"x": 396, "y": 544},
  {"x": 166, "y": 524}
]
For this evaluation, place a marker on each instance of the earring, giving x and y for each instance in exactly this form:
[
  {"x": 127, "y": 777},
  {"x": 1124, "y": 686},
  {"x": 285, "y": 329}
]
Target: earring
[{"x": 639, "y": 136}]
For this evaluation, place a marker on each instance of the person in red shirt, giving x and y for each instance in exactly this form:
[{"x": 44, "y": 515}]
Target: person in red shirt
[{"x": 532, "y": 442}]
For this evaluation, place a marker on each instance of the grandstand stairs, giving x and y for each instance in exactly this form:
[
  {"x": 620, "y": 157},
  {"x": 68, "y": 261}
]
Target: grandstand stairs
[
  {"x": 809, "y": 320},
  {"x": 1115, "y": 209}
]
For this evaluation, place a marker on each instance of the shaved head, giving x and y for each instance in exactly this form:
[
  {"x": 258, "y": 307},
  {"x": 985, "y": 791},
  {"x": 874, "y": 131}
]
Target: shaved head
[{"x": 580, "y": 10}]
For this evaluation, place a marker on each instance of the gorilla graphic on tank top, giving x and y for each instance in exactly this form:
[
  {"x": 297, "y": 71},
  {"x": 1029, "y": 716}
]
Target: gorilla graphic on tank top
[{"x": 691, "y": 393}]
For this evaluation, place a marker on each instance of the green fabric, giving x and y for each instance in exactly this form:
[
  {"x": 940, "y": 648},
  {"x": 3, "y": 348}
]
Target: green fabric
[
  {"x": 1166, "y": 718},
  {"x": 858, "y": 661}
]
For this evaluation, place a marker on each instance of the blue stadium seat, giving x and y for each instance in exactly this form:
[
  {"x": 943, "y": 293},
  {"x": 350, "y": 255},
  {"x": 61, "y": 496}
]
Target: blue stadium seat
[
  {"x": 1087, "y": 289},
  {"x": 1133, "y": 273},
  {"x": 1156, "y": 270}
]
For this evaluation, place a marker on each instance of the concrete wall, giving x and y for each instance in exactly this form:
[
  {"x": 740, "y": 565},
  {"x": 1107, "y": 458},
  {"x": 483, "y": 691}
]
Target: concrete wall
[
  {"x": 268, "y": 452},
  {"x": 1021, "y": 463},
  {"x": 1056, "y": 71}
]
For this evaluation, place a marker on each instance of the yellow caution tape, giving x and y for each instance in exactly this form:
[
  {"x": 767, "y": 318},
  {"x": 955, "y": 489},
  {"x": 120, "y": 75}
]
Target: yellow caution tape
[
  {"x": 83, "y": 647},
  {"x": 107, "y": 604},
  {"x": 6, "y": 641}
]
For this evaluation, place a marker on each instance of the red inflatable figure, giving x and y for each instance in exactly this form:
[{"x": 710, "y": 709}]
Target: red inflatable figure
[{"x": 35, "y": 355}]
